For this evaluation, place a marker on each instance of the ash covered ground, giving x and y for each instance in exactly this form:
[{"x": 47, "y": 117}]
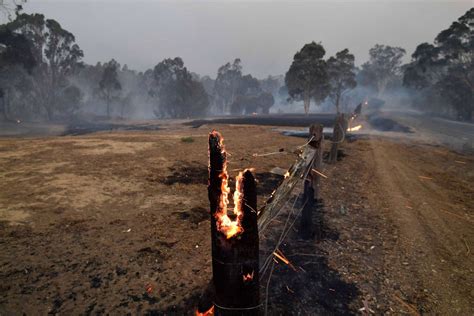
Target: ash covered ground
[{"x": 117, "y": 222}]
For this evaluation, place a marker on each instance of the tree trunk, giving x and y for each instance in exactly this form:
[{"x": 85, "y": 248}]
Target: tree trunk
[
  {"x": 3, "y": 108},
  {"x": 338, "y": 98},
  {"x": 307, "y": 101},
  {"x": 5, "y": 104},
  {"x": 49, "y": 113}
]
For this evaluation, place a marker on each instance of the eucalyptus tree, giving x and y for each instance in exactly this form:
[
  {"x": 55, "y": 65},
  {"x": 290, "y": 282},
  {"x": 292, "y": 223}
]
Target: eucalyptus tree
[
  {"x": 341, "y": 71},
  {"x": 307, "y": 79}
]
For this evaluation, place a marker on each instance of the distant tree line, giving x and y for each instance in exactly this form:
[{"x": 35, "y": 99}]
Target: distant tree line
[
  {"x": 439, "y": 79},
  {"x": 42, "y": 76}
]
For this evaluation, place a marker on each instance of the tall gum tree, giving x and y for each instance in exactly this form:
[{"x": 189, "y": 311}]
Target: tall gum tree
[
  {"x": 341, "y": 71},
  {"x": 56, "y": 57},
  {"x": 307, "y": 77}
]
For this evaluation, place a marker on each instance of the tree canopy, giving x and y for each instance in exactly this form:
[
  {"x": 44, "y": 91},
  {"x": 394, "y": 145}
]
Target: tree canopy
[
  {"x": 179, "y": 95},
  {"x": 109, "y": 84},
  {"x": 227, "y": 84},
  {"x": 446, "y": 67},
  {"x": 383, "y": 67},
  {"x": 307, "y": 77},
  {"x": 55, "y": 56},
  {"x": 341, "y": 72}
]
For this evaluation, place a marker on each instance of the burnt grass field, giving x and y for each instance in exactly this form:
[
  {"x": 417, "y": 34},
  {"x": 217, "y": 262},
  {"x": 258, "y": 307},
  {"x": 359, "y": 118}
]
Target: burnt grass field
[{"x": 116, "y": 222}]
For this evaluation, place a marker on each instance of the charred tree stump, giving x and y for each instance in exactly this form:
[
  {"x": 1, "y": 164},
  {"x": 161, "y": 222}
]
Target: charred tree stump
[
  {"x": 235, "y": 265},
  {"x": 338, "y": 134}
]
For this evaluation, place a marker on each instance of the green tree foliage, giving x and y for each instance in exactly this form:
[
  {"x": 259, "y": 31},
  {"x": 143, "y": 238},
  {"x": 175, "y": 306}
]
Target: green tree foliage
[
  {"x": 15, "y": 51},
  {"x": 272, "y": 84},
  {"x": 383, "y": 67},
  {"x": 56, "y": 57},
  {"x": 341, "y": 71},
  {"x": 307, "y": 77},
  {"x": 179, "y": 95},
  {"x": 249, "y": 104},
  {"x": 109, "y": 84},
  {"x": 248, "y": 85},
  {"x": 227, "y": 83},
  {"x": 446, "y": 67}
]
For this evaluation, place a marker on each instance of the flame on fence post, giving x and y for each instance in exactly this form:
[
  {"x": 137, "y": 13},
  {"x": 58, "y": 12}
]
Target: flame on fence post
[{"x": 234, "y": 238}]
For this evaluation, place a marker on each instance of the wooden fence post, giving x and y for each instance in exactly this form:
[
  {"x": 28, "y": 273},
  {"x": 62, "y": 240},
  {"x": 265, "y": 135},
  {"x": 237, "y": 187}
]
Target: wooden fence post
[
  {"x": 316, "y": 131},
  {"x": 312, "y": 182},
  {"x": 235, "y": 265},
  {"x": 338, "y": 135}
]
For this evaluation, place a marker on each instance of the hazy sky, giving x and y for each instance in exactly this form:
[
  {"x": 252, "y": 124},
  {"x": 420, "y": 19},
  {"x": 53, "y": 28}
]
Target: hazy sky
[{"x": 264, "y": 34}]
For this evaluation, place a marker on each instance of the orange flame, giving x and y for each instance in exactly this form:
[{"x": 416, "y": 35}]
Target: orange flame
[
  {"x": 209, "y": 312},
  {"x": 355, "y": 128},
  {"x": 225, "y": 224},
  {"x": 248, "y": 277}
]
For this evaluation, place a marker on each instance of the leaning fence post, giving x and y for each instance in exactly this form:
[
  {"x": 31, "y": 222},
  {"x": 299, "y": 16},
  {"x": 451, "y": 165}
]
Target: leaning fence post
[{"x": 235, "y": 264}]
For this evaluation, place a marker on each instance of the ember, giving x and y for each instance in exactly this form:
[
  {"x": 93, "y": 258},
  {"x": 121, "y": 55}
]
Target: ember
[
  {"x": 209, "y": 312},
  {"x": 355, "y": 128},
  {"x": 248, "y": 277}
]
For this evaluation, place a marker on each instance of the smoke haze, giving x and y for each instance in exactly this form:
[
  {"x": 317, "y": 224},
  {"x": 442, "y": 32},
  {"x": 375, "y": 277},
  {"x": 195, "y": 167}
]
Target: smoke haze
[{"x": 264, "y": 34}]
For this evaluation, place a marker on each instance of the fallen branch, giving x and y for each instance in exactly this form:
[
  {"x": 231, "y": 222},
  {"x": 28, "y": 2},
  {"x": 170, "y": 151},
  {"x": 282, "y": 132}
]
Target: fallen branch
[
  {"x": 269, "y": 154},
  {"x": 458, "y": 216},
  {"x": 321, "y": 174},
  {"x": 425, "y": 178},
  {"x": 467, "y": 246}
]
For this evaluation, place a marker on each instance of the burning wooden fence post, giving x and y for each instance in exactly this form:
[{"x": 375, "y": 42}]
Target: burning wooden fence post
[
  {"x": 235, "y": 242},
  {"x": 340, "y": 127}
]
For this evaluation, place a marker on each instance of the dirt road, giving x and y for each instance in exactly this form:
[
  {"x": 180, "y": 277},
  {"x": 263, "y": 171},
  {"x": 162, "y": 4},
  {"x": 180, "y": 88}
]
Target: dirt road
[
  {"x": 117, "y": 223},
  {"x": 431, "y": 204}
]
